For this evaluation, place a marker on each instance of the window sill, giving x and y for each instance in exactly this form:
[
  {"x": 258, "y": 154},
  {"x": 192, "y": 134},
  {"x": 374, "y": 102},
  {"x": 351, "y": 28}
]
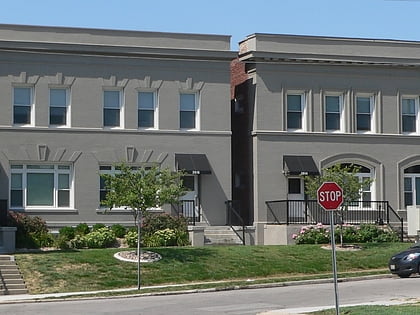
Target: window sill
[
  {"x": 122, "y": 210},
  {"x": 45, "y": 210}
]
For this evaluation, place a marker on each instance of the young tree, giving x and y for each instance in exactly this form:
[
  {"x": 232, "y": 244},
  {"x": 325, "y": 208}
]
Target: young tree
[
  {"x": 140, "y": 189},
  {"x": 345, "y": 176}
]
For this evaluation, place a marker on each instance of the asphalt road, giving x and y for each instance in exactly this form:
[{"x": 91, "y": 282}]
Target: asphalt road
[{"x": 236, "y": 302}]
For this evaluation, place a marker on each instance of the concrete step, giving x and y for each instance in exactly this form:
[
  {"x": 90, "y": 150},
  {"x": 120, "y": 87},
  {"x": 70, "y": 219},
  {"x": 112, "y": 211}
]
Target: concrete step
[
  {"x": 6, "y": 258},
  {"x": 10, "y": 271},
  {"x": 14, "y": 292},
  {"x": 11, "y": 276},
  {"x": 12, "y": 281},
  {"x": 8, "y": 266},
  {"x": 221, "y": 235}
]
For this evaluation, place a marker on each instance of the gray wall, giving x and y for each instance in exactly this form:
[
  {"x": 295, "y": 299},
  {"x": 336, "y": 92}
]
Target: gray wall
[
  {"x": 86, "y": 144},
  {"x": 278, "y": 64}
]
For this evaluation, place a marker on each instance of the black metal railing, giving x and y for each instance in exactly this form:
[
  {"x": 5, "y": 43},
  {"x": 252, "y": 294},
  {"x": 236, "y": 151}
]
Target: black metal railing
[
  {"x": 395, "y": 222},
  {"x": 310, "y": 212},
  {"x": 233, "y": 218},
  {"x": 188, "y": 209}
]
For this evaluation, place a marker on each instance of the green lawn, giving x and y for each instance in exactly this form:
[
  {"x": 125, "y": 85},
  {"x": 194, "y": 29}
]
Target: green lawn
[
  {"x": 97, "y": 269},
  {"x": 412, "y": 309}
]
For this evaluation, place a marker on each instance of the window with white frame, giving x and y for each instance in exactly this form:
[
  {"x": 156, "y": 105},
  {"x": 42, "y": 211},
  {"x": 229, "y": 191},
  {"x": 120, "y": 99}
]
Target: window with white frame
[
  {"x": 22, "y": 105},
  {"x": 188, "y": 118},
  {"x": 40, "y": 185},
  {"x": 367, "y": 191},
  {"x": 409, "y": 114},
  {"x": 59, "y": 100},
  {"x": 333, "y": 113},
  {"x": 112, "y": 108},
  {"x": 147, "y": 117},
  {"x": 364, "y": 113},
  {"x": 295, "y": 111},
  {"x": 111, "y": 170},
  {"x": 412, "y": 186}
]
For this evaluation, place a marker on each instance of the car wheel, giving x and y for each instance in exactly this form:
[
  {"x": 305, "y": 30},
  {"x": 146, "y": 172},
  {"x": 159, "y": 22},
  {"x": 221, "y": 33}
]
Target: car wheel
[{"x": 404, "y": 275}]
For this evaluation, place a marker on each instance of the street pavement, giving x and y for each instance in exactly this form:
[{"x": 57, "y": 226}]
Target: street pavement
[{"x": 25, "y": 298}]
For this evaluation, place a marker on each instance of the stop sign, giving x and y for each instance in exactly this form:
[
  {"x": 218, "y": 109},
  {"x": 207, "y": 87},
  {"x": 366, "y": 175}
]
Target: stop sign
[{"x": 330, "y": 195}]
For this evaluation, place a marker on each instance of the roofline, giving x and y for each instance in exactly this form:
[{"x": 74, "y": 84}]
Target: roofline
[
  {"x": 337, "y": 38},
  {"x": 102, "y": 30}
]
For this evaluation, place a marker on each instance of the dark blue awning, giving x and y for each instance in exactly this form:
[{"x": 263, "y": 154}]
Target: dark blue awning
[
  {"x": 299, "y": 165},
  {"x": 192, "y": 163}
]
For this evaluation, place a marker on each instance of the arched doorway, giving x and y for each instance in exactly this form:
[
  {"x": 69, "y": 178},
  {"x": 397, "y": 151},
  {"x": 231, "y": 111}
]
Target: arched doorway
[{"x": 412, "y": 186}]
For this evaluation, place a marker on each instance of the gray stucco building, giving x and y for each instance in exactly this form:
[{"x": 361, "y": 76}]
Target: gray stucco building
[
  {"x": 74, "y": 102},
  {"x": 311, "y": 102}
]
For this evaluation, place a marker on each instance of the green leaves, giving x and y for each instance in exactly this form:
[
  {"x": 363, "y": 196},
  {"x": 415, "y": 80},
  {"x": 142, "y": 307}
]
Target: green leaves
[
  {"x": 344, "y": 175},
  {"x": 142, "y": 188}
]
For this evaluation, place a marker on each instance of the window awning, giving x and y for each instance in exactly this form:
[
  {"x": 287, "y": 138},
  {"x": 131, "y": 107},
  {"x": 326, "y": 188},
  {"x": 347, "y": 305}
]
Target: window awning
[
  {"x": 299, "y": 165},
  {"x": 193, "y": 163}
]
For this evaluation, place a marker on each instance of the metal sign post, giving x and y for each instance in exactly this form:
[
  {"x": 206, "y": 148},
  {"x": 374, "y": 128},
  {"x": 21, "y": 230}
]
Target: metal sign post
[
  {"x": 330, "y": 197},
  {"x": 334, "y": 263}
]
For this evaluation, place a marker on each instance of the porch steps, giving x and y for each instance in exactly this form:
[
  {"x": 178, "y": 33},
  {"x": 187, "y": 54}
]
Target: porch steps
[
  {"x": 221, "y": 235},
  {"x": 11, "y": 281}
]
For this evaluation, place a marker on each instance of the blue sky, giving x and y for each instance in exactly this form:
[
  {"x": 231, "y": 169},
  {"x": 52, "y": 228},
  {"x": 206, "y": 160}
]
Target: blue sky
[{"x": 389, "y": 19}]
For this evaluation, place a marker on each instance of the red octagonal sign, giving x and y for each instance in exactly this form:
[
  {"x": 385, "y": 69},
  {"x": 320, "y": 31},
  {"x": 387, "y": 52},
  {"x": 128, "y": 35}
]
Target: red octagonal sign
[{"x": 330, "y": 195}]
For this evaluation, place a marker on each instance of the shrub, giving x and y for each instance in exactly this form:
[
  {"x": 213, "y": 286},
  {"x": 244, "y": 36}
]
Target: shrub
[
  {"x": 32, "y": 232},
  {"x": 82, "y": 229},
  {"x": 67, "y": 233},
  {"x": 365, "y": 233},
  {"x": 100, "y": 238},
  {"x": 62, "y": 242},
  {"x": 79, "y": 241},
  {"x": 164, "y": 230},
  {"x": 119, "y": 230},
  {"x": 313, "y": 234},
  {"x": 157, "y": 222},
  {"x": 372, "y": 233},
  {"x": 98, "y": 226},
  {"x": 131, "y": 238}
]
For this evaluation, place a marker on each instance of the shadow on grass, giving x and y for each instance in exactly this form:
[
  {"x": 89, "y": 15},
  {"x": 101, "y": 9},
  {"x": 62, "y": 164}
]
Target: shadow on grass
[
  {"x": 45, "y": 252},
  {"x": 182, "y": 254}
]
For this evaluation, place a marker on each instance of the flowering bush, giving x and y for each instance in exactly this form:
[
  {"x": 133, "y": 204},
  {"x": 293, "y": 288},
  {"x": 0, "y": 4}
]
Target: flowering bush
[
  {"x": 365, "y": 233},
  {"x": 166, "y": 237},
  {"x": 131, "y": 238},
  {"x": 32, "y": 232},
  {"x": 100, "y": 238},
  {"x": 312, "y": 234}
]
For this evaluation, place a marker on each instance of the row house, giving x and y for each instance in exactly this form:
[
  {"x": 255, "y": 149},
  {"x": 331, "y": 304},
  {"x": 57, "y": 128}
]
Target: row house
[
  {"x": 76, "y": 102},
  {"x": 305, "y": 103}
]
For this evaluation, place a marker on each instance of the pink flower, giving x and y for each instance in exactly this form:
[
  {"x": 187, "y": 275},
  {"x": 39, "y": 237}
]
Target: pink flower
[{"x": 294, "y": 236}]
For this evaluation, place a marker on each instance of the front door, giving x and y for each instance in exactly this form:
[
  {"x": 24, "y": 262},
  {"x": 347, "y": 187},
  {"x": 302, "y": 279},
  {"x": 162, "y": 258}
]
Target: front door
[
  {"x": 189, "y": 201},
  {"x": 411, "y": 189},
  {"x": 296, "y": 197}
]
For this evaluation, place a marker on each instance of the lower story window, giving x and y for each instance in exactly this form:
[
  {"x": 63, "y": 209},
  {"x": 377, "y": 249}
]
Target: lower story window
[{"x": 40, "y": 185}]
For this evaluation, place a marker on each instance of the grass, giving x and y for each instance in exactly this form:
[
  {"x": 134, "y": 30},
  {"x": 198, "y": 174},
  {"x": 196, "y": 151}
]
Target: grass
[
  {"x": 97, "y": 269},
  {"x": 411, "y": 309}
]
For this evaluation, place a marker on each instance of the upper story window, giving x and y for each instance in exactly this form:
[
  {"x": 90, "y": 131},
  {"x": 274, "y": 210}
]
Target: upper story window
[
  {"x": 333, "y": 113},
  {"x": 22, "y": 105},
  {"x": 147, "y": 117},
  {"x": 40, "y": 185},
  {"x": 188, "y": 118},
  {"x": 112, "y": 108},
  {"x": 295, "y": 111},
  {"x": 59, "y": 101},
  {"x": 364, "y": 113},
  {"x": 409, "y": 114}
]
